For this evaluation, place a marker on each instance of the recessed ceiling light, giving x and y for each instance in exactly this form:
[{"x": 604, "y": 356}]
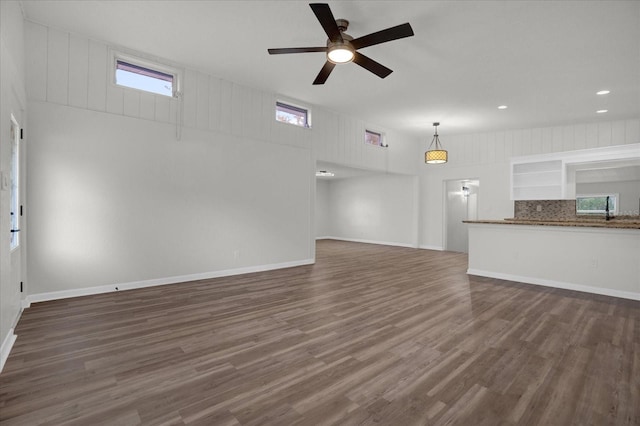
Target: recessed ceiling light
[
  {"x": 324, "y": 173},
  {"x": 603, "y": 92},
  {"x": 503, "y": 107},
  {"x": 602, "y": 111}
]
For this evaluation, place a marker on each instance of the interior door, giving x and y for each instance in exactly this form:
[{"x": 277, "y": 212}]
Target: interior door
[{"x": 16, "y": 189}]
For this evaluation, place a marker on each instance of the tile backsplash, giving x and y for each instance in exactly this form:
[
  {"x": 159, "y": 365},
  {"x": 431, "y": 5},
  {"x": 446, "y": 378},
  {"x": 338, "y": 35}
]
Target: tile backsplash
[{"x": 549, "y": 209}]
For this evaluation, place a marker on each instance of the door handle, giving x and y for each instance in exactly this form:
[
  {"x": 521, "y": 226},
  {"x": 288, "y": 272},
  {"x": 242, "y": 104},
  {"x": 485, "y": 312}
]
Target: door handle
[{"x": 15, "y": 230}]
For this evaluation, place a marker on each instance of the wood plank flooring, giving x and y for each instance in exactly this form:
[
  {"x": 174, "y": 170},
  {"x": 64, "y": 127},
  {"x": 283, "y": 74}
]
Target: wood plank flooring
[{"x": 368, "y": 335}]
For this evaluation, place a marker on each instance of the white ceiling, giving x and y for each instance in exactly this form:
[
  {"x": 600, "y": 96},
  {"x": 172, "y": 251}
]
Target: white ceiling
[{"x": 544, "y": 59}]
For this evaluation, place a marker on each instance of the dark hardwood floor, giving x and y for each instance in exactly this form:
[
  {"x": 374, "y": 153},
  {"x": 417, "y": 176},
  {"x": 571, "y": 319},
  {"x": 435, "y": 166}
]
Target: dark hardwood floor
[{"x": 368, "y": 335}]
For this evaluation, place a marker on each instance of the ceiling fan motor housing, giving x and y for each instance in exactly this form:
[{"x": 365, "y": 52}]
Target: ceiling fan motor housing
[
  {"x": 342, "y": 24},
  {"x": 346, "y": 37}
]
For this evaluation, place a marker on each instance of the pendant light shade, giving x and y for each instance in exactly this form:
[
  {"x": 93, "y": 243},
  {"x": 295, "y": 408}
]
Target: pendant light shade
[{"x": 435, "y": 154}]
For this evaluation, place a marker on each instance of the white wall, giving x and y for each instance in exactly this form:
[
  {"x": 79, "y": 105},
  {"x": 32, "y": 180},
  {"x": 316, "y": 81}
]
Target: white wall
[
  {"x": 115, "y": 197},
  {"x": 118, "y": 200},
  {"x": 12, "y": 101},
  {"x": 485, "y": 156},
  {"x": 375, "y": 208},
  {"x": 323, "y": 209}
]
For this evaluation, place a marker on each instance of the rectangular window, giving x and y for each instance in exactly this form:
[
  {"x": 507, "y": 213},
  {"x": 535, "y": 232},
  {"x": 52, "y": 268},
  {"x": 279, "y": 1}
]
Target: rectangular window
[
  {"x": 292, "y": 114},
  {"x": 596, "y": 204},
  {"x": 374, "y": 138},
  {"x": 145, "y": 76}
]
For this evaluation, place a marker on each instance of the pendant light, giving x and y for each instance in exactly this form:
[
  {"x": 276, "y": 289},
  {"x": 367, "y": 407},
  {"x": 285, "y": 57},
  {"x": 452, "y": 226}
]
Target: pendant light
[{"x": 437, "y": 155}]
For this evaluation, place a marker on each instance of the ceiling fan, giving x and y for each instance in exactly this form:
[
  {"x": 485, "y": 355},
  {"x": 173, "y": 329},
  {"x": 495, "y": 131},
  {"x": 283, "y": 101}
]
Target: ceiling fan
[{"x": 342, "y": 48}]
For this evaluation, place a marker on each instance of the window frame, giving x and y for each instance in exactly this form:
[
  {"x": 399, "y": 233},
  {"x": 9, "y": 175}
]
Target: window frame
[
  {"x": 383, "y": 140},
  {"x": 294, "y": 107},
  {"x": 612, "y": 212},
  {"x": 176, "y": 84}
]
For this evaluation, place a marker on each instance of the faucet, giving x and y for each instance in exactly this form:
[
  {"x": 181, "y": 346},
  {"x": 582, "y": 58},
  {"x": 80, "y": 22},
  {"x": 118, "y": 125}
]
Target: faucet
[{"x": 606, "y": 210}]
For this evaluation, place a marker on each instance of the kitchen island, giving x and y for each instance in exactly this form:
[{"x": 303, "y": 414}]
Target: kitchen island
[{"x": 594, "y": 256}]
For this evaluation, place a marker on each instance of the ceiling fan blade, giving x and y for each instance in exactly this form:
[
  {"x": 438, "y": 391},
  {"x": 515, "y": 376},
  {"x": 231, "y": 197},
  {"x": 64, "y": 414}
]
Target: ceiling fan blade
[
  {"x": 296, "y": 50},
  {"x": 371, "y": 65},
  {"x": 328, "y": 22},
  {"x": 324, "y": 73},
  {"x": 393, "y": 33}
]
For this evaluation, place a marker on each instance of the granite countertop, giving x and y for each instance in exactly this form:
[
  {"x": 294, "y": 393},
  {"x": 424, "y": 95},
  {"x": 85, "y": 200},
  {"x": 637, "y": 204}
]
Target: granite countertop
[{"x": 592, "y": 223}]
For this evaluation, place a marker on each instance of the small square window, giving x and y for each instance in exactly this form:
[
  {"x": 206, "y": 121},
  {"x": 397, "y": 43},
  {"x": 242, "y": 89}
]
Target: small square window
[
  {"x": 374, "y": 138},
  {"x": 145, "y": 77},
  {"x": 292, "y": 114}
]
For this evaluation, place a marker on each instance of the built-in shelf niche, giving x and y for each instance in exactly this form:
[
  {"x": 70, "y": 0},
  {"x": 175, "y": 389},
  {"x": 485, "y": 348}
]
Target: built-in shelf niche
[
  {"x": 537, "y": 180},
  {"x": 552, "y": 176}
]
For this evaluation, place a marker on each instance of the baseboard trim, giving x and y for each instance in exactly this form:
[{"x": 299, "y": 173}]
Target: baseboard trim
[
  {"x": 384, "y": 243},
  {"x": 428, "y": 247},
  {"x": 357, "y": 240},
  {"x": 88, "y": 291},
  {"x": 5, "y": 349},
  {"x": 557, "y": 284}
]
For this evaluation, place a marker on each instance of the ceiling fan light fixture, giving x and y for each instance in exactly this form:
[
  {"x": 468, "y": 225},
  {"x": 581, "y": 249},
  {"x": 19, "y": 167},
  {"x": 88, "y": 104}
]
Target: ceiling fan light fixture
[
  {"x": 341, "y": 48},
  {"x": 340, "y": 53},
  {"x": 437, "y": 155}
]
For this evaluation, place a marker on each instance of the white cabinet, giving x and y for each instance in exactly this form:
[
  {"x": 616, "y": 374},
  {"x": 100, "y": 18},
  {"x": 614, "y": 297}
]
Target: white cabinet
[{"x": 537, "y": 180}]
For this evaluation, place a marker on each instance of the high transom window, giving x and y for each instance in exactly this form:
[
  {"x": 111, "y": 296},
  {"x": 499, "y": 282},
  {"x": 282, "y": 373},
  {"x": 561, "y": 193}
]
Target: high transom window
[
  {"x": 291, "y": 114},
  {"x": 143, "y": 75},
  {"x": 374, "y": 138}
]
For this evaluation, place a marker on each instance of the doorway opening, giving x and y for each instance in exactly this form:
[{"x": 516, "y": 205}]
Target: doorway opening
[
  {"x": 461, "y": 203},
  {"x": 368, "y": 206}
]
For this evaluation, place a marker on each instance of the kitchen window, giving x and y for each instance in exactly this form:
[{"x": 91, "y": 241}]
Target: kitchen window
[{"x": 596, "y": 204}]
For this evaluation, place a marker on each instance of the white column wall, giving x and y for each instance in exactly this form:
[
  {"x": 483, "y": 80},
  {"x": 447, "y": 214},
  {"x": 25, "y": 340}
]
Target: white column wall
[{"x": 323, "y": 208}]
